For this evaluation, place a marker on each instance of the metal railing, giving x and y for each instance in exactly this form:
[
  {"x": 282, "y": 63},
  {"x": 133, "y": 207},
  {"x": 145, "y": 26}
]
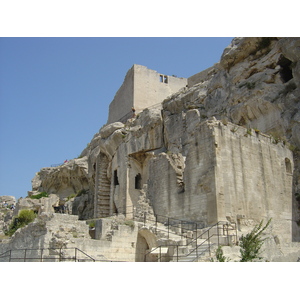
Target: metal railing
[
  {"x": 46, "y": 254},
  {"x": 172, "y": 225},
  {"x": 200, "y": 244}
]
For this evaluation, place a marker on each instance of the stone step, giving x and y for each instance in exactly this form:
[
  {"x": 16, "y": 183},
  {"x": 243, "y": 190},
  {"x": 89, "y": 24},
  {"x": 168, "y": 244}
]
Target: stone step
[{"x": 104, "y": 193}]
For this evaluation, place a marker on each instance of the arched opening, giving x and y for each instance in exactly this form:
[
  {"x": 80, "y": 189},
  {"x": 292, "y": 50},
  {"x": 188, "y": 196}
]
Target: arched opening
[
  {"x": 146, "y": 240},
  {"x": 288, "y": 166}
]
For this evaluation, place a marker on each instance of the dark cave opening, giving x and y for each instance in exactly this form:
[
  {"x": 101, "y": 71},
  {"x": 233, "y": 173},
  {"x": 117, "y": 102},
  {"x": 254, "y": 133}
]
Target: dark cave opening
[{"x": 285, "y": 72}]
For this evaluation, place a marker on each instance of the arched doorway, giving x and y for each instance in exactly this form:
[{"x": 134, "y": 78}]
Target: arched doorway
[{"x": 146, "y": 240}]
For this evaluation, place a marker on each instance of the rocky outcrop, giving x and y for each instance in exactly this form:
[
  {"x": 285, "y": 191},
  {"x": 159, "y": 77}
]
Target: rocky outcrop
[{"x": 64, "y": 180}]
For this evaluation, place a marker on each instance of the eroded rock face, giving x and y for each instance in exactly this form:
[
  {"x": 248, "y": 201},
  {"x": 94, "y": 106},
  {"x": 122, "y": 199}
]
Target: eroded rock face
[{"x": 64, "y": 180}]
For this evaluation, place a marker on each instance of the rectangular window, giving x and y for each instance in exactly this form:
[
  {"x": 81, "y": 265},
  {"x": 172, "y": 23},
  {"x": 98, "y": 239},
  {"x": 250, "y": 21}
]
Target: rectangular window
[{"x": 163, "y": 78}]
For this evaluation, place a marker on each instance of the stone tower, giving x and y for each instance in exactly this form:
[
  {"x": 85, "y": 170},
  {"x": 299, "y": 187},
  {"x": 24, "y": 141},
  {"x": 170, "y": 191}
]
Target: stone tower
[{"x": 142, "y": 88}]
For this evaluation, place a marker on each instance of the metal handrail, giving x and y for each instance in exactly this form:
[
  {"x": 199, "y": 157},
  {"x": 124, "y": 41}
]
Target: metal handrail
[
  {"x": 196, "y": 240},
  {"x": 42, "y": 258},
  {"x": 177, "y": 223},
  {"x": 76, "y": 249}
]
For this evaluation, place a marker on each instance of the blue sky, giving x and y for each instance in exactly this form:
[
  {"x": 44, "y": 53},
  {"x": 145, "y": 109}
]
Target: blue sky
[{"x": 55, "y": 93}]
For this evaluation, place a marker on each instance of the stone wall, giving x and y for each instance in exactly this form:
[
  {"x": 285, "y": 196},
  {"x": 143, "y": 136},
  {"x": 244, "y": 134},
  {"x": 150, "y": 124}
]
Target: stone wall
[
  {"x": 254, "y": 178},
  {"x": 142, "y": 88},
  {"x": 123, "y": 100}
]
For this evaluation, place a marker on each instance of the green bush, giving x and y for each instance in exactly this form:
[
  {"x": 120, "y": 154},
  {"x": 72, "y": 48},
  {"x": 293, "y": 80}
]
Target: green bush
[
  {"x": 39, "y": 196},
  {"x": 24, "y": 217},
  {"x": 252, "y": 243},
  {"x": 81, "y": 192},
  {"x": 220, "y": 256},
  {"x": 92, "y": 223},
  {"x": 129, "y": 223}
]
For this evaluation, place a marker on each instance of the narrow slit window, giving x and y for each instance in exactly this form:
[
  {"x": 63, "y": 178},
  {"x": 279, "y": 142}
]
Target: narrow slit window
[
  {"x": 116, "y": 180},
  {"x": 138, "y": 182}
]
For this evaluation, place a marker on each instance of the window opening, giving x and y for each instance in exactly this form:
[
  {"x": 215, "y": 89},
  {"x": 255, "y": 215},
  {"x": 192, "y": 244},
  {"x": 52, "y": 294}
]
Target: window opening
[
  {"x": 138, "y": 182},
  {"x": 163, "y": 78},
  {"x": 116, "y": 180},
  {"x": 288, "y": 166}
]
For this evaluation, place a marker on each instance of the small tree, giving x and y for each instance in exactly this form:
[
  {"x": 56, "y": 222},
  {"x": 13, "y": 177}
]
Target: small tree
[{"x": 252, "y": 243}]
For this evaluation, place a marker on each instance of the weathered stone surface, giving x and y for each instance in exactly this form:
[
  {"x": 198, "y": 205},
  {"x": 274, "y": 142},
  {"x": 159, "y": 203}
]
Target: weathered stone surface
[
  {"x": 7, "y": 200},
  {"x": 64, "y": 180},
  {"x": 107, "y": 130}
]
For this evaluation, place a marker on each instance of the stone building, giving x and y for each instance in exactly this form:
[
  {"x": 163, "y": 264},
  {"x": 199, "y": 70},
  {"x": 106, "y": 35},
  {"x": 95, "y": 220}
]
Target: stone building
[
  {"x": 224, "y": 173},
  {"x": 142, "y": 88},
  {"x": 187, "y": 167}
]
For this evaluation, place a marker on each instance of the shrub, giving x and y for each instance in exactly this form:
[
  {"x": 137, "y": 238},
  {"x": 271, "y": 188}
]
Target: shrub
[
  {"x": 252, "y": 243},
  {"x": 81, "y": 192},
  {"x": 71, "y": 196},
  {"x": 92, "y": 224},
  {"x": 39, "y": 196},
  {"x": 219, "y": 255},
  {"x": 257, "y": 131},
  {"x": 129, "y": 223},
  {"x": 24, "y": 217}
]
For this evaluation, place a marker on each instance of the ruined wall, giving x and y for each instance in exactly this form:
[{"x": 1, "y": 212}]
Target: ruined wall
[
  {"x": 151, "y": 87},
  {"x": 183, "y": 187},
  {"x": 129, "y": 165},
  {"x": 123, "y": 100},
  {"x": 142, "y": 88},
  {"x": 226, "y": 173},
  {"x": 253, "y": 178}
]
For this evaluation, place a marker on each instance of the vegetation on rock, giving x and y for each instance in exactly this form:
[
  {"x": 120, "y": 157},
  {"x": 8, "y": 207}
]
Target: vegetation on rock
[
  {"x": 24, "y": 217},
  {"x": 252, "y": 242},
  {"x": 39, "y": 196}
]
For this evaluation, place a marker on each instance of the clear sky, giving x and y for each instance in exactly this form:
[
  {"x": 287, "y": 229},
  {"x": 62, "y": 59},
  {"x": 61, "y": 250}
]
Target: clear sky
[{"x": 55, "y": 93}]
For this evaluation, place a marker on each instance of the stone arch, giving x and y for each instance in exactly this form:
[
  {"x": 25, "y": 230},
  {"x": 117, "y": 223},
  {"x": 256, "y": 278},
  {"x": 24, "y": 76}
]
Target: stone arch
[{"x": 146, "y": 240}]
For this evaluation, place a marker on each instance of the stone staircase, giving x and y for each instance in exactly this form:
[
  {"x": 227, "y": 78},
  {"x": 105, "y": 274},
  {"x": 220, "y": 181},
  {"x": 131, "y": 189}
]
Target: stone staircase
[
  {"x": 102, "y": 207},
  {"x": 192, "y": 249},
  {"x": 69, "y": 240}
]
